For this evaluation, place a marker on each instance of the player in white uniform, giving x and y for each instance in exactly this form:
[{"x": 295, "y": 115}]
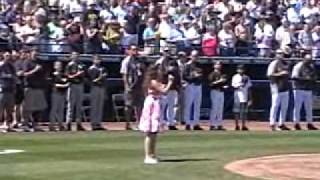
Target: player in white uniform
[
  {"x": 278, "y": 74},
  {"x": 304, "y": 78}
]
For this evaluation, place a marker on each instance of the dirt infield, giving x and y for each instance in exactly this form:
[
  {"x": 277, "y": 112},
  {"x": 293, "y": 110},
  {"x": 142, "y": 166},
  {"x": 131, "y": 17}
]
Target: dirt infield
[{"x": 282, "y": 167}]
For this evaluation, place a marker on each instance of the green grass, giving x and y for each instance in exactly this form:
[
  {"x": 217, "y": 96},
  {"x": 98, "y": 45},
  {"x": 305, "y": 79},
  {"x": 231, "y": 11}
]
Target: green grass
[{"x": 119, "y": 155}]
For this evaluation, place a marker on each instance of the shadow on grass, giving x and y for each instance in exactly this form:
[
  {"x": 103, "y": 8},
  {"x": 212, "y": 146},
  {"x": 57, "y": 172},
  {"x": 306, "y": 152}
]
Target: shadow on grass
[{"x": 186, "y": 160}]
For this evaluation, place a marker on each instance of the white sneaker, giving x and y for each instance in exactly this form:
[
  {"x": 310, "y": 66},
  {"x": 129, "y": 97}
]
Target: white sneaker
[{"x": 149, "y": 160}]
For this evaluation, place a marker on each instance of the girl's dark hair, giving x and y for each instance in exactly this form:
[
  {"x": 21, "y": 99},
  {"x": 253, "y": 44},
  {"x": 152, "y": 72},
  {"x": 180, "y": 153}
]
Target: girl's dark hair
[{"x": 151, "y": 74}]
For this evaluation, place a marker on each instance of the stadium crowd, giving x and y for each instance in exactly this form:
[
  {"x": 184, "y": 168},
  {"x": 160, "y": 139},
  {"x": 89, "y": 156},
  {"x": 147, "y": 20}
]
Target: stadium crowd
[{"x": 214, "y": 27}]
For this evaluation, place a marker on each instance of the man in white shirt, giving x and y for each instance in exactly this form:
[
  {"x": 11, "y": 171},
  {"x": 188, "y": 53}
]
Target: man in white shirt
[
  {"x": 227, "y": 40},
  {"x": 164, "y": 30},
  {"x": 264, "y": 35},
  {"x": 242, "y": 84},
  {"x": 316, "y": 42},
  {"x": 283, "y": 35},
  {"x": 29, "y": 32},
  {"x": 293, "y": 14},
  {"x": 304, "y": 78}
]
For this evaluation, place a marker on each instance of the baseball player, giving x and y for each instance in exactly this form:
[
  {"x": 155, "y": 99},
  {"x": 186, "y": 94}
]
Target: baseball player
[
  {"x": 34, "y": 102},
  {"x": 7, "y": 89},
  {"x": 97, "y": 76},
  {"x": 18, "y": 59},
  {"x": 242, "y": 98},
  {"x": 169, "y": 101},
  {"x": 304, "y": 78},
  {"x": 75, "y": 74},
  {"x": 217, "y": 83},
  {"x": 58, "y": 97},
  {"x": 132, "y": 71},
  {"x": 278, "y": 74},
  {"x": 193, "y": 92},
  {"x": 182, "y": 60}
]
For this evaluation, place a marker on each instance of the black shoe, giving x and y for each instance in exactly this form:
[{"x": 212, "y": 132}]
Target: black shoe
[
  {"x": 284, "y": 128},
  {"x": 52, "y": 129},
  {"x": 311, "y": 127},
  {"x": 99, "y": 128},
  {"x": 212, "y": 128},
  {"x": 36, "y": 129},
  {"x": 221, "y": 128},
  {"x": 69, "y": 127},
  {"x": 80, "y": 128},
  {"x": 245, "y": 128},
  {"x": 128, "y": 127},
  {"x": 197, "y": 128},
  {"x": 183, "y": 123},
  {"x": 11, "y": 130},
  {"x": 173, "y": 128},
  {"x": 188, "y": 128},
  {"x": 16, "y": 126},
  {"x": 237, "y": 128},
  {"x": 62, "y": 128},
  {"x": 297, "y": 127}
]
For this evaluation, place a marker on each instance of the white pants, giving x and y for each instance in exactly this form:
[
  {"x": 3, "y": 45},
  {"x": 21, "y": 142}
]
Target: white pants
[
  {"x": 281, "y": 100},
  {"x": 192, "y": 96},
  {"x": 169, "y": 103},
  {"x": 302, "y": 97},
  {"x": 217, "y": 103}
]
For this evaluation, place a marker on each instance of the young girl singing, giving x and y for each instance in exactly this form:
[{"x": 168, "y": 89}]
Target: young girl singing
[{"x": 150, "y": 118}]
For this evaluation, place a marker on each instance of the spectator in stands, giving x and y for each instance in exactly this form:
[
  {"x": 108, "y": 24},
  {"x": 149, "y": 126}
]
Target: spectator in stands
[
  {"x": 242, "y": 33},
  {"x": 308, "y": 11},
  {"x": 194, "y": 35},
  {"x": 305, "y": 37},
  {"x": 111, "y": 37},
  {"x": 57, "y": 33},
  {"x": 29, "y": 32},
  {"x": 293, "y": 13},
  {"x": 283, "y": 34},
  {"x": 227, "y": 40},
  {"x": 131, "y": 24},
  {"x": 316, "y": 40},
  {"x": 210, "y": 43},
  {"x": 164, "y": 30},
  {"x": 264, "y": 36},
  {"x": 75, "y": 33},
  {"x": 150, "y": 37},
  {"x": 93, "y": 39}
]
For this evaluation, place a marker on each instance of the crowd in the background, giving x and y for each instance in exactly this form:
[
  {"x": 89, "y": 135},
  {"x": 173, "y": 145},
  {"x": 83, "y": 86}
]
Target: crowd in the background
[{"x": 214, "y": 27}]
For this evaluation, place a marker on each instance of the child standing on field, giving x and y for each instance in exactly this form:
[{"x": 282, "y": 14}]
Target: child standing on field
[
  {"x": 150, "y": 118},
  {"x": 242, "y": 98}
]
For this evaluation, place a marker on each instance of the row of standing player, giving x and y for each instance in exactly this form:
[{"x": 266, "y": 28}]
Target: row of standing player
[
  {"x": 22, "y": 92},
  {"x": 185, "y": 94}
]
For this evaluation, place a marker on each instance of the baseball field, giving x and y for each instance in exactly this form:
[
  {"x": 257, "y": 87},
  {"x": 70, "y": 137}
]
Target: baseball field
[{"x": 118, "y": 155}]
